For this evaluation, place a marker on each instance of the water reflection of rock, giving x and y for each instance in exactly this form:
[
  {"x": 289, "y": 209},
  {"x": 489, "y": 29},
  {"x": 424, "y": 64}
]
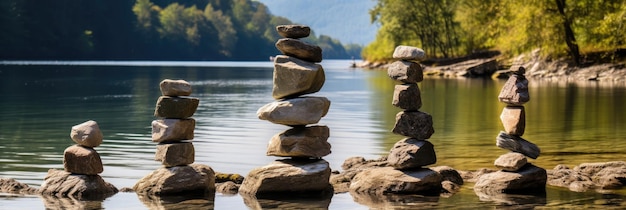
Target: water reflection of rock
[
  {"x": 181, "y": 201},
  {"x": 395, "y": 201},
  {"x": 69, "y": 203},
  {"x": 288, "y": 201},
  {"x": 520, "y": 201}
]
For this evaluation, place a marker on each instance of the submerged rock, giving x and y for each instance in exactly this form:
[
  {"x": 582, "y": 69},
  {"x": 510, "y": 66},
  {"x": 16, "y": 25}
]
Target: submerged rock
[
  {"x": 65, "y": 184},
  {"x": 530, "y": 178},
  {"x": 14, "y": 187},
  {"x": 386, "y": 180},
  {"x": 288, "y": 176},
  {"x": 191, "y": 179}
]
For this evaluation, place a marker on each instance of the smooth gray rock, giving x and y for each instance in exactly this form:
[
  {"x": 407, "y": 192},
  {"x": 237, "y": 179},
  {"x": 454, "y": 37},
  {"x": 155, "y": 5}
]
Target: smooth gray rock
[
  {"x": 517, "y": 144},
  {"x": 175, "y": 154},
  {"x": 87, "y": 134},
  {"x": 300, "y": 49},
  {"x": 300, "y": 142},
  {"x": 528, "y": 179},
  {"x": 175, "y": 87},
  {"x": 294, "y": 77},
  {"x": 405, "y": 71},
  {"x": 407, "y": 97},
  {"x": 293, "y": 31},
  {"x": 515, "y": 91},
  {"x": 288, "y": 176},
  {"x": 411, "y": 153},
  {"x": 79, "y": 159},
  {"x": 404, "y": 52},
  {"x": 511, "y": 161},
  {"x": 176, "y": 107},
  {"x": 295, "y": 111},
  {"x": 65, "y": 184},
  {"x": 414, "y": 124},
  {"x": 194, "y": 178},
  {"x": 387, "y": 180},
  {"x": 169, "y": 130},
  {"x": 514, "y": 120}
]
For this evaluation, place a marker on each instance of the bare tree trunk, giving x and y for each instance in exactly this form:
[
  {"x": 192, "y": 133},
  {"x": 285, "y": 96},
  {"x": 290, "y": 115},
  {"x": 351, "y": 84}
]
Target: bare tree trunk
[{"x": 570, "y": 38}]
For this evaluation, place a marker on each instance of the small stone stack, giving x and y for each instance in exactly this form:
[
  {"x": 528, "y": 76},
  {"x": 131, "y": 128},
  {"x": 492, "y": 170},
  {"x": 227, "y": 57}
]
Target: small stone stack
[
  {"x": 174, "y": 132},
  {"x": 296, "y": 73},
  {"x": 516, "y": 174},
  {"x": 408, "y": 156},
  {"x": 82, "y": 165}
]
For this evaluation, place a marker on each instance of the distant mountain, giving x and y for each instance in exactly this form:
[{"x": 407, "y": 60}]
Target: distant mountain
[{"x": 345, "y": 20}]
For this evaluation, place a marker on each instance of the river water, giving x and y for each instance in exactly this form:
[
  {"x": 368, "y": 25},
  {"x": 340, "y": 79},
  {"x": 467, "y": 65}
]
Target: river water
[{"x": 572, "y": 123}]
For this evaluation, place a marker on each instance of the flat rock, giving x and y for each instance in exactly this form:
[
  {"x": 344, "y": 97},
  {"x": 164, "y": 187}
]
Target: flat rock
[
  {"x": 514, "y": 120},
  {"x": 87, "y": 134},
  {"x": 404, "y": 52},
  {"x": 169, "y": 130},
  {"x": 194, "y": 178},
  {"x": 175, "y": 87},
  {"x": 65, "y": 184},
  {"x": 562, "y": 176},
  {"x": 176, "y": 107},
  {"x": 511, "y": 161},
  {"x": 386, "y": 180},
  {"x": 12, "y": 186},
  {"x": 411, "y": 153},
  {"x": 414, "y": 124},
  {"x": 293, "y": 31},
  {"x": 301, "y": 142},
  {"x": 405, "y": 71},
  {"x": 288, "y": 176},
  {"x": 515, "y": 91},
  {"x": 175, "y": 154},
  {"x": 407, "y": 97},
  {"x": 295, "y": 111},
  {"x": 79, "y": 159},
  {"x": 300, "y": 49},
  {"x": 528, "y": 179},
  {"x": 517, "y": 144},
  {"x": 294, "y": 77}
]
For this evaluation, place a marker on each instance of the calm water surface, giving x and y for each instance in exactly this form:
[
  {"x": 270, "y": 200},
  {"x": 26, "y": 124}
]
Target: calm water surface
[{"x": 573, "y": 123}]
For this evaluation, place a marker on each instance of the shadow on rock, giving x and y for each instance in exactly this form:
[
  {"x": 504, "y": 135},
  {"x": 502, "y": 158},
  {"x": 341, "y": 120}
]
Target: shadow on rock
[
  {"x": 314, "y": 200},
  {"x": 395, "y": 201},
  {"x": 523, "y": 200},
  {"x": 52, "y": 202},
  {"x": 181, "y": 201}
]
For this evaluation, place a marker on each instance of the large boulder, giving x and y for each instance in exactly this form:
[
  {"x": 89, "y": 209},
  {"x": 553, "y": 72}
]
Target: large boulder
[
  {"x": 288, "y": 176},
  {"x": 65, "y": 184},
  {"x": 294, "y": 77},
  {"x": 514, "y": 120},
  {"x": 407, "y": 97},
  {"x": 293, "y": 31},
  {"x": 175, "y": 154},
  {"x": 169, "y": 130},
  {"x": 295, "y": 111},
  {"x": 176, "y": 107},
  {"x": 300, "y": 49},
  {"x": 511, "y": 161},
  {"x": 79, "y": 159},
  {"x": 517, "y": 144},
  {"x": 301, "y": 142},
  {"x": 529, "y": 178},
  {"x": 404, "y": 52},
  {"x": 411, "y": 153},
  {"x": 194, "y": 178},
  {"x": 175, "y": 87},
  {"x": 414, "y": 124},
  {"x": 405, "y": 71},
  {"x": 515, "y": 91},
  {"x": 386, "y": 180},
  {"x": 87, "y": 134}
]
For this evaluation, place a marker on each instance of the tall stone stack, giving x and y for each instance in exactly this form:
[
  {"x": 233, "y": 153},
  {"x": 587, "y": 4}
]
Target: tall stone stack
[
  {"x": 408, "y": 156},
  {"x": 296, "y": 73},
  {"x": 516, "y": 174},
  {"x": 174, "y": 133},
  {"x": 82, "y": 166}
]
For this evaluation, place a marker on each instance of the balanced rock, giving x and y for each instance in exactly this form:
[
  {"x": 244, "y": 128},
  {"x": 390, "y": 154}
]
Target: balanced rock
[
  {"x": 517, "y": 144},
  {"x": 293, "y": 31},
  {"x": 300, "y": 49},
  {"x": 407, "y": 97},
  {"x": 175, "y": 87},
  {"x": 515, "y": 91},
  {"x": 168, "y": 130},
  {"x": 175, "y": 154},
  {"x": 87, "y": 134},
  {"x": 177, "y": 180},
  {"x": 514, "y": 120},
  {"x": 511, "y": 161},
  {"x": 79, "y": 159},
  {"x": 411, "y": 153},
  {"x": 295, "y": 77},
  {"x": 295, "y": 111},
  {"x": 301, "y": 142},
  {"x": 405, "y": 71},
  {"x": 529, "y": 178},
  {"x": 176, "y": 107},
  {"x": 384, "y": 180},
  {"x": 65, "y": 184},
  {"x": 414, "y": 124},
  {"x": 404, "y": 52},
  {"x": 288, "y": 176}
]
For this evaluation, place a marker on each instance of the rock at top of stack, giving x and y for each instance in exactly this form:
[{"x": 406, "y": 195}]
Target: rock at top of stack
[
  {"x": 291, "y": 46},
  {"x": 87, "y": 134},
  {"x": 294, "y": 77},
  {"x": 515, "y": 90},
  {"x": 82, "y": 158},
  {"x": 174, "y": 103},
  {"x": 175, "y": 87},
  {"x": 293, "y": 31},
  {"x": 408, "y": 53}
]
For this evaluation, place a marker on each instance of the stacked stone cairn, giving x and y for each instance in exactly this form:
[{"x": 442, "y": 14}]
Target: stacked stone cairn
[
  {"x": 296, "y": 73},
  {"x": 408, "y": 156},
  {"x": 82, "y": 165},
  {"x": 174, "y": 131},
  {"x": 516, "y": 174}
]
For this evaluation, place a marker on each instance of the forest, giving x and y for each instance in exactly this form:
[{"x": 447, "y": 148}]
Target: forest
[
  {"x": 452, "y": 28},
  {"x": 146, "y": 30}
]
